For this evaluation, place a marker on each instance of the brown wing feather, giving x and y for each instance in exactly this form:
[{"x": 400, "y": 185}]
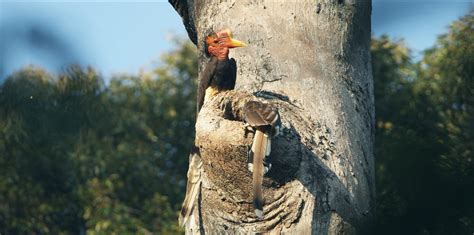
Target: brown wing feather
[
  {"x": 205, "y": 81},
  {"x": 259, "y": 114},
  {"x": 262, "y": 117}
]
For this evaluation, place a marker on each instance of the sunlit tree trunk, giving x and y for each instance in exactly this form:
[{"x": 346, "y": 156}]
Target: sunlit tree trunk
[{"x": 310, "y": 59}]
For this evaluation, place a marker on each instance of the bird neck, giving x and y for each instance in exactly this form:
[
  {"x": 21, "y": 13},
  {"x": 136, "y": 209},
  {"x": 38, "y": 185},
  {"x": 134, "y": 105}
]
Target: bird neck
[{"x": 221, "y": 53}]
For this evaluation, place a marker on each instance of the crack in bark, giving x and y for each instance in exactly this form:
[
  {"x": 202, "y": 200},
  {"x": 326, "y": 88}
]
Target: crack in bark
[{"x": 310, "y": 160}]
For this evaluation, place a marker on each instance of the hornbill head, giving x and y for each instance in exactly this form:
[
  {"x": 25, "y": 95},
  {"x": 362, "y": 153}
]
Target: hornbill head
[{"x": 218, "y": 43}]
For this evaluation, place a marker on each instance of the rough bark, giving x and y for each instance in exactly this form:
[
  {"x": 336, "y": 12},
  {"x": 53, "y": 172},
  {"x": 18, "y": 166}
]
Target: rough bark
[{"x": 311, "y": 60}]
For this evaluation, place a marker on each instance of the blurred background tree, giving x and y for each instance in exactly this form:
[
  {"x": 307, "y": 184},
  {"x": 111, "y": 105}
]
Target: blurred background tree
[
  {"x": 80, "y": 156},
  {"x": 425, "y": 134}
]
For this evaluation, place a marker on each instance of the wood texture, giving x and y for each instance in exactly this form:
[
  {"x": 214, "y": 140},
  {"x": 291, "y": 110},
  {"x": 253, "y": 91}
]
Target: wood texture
[{"x": 311, "y": 60}]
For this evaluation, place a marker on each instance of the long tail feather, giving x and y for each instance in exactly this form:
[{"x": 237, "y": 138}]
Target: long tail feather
[
  {"x": 193, "y": 188},
  {"x": 259, "y": 150}
]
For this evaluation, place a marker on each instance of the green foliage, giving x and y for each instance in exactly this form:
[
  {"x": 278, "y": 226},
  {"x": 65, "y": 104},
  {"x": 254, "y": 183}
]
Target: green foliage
[
  {"x": 425, "y": 135},
  {"x": 81, "y": 156}
]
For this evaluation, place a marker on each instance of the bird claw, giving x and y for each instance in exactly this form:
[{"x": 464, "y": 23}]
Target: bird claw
[
  {"x": 248, "y": 129},
  {"x": 267, "y": 166},
  {"x": 249, "y": 159},
  {"x": 277, "y": 130}
]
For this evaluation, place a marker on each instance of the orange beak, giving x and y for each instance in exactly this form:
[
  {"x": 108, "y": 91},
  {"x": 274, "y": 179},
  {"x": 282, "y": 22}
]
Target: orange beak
[{"x": 233, "y": 43}]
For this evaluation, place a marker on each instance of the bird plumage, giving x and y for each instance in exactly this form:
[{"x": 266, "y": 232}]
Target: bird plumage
[
  {"x": 219, "y": 75},
  {"x": 192, "y": 188},
  {"x": 258, "y": 152},
  {"x": 266, "y": 121}
]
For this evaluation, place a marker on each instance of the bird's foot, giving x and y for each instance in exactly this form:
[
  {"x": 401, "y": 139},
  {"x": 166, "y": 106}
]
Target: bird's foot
[
  {"x": 249, "y": 159},
  {"x": 248, "y": 129},
  {"x": 267, "y": 166},
  {"x": 277, "y": 130}
]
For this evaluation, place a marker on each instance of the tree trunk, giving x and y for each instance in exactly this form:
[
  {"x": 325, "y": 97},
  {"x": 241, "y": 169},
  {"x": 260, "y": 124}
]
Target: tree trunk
[{"x": 310, "y": 59}]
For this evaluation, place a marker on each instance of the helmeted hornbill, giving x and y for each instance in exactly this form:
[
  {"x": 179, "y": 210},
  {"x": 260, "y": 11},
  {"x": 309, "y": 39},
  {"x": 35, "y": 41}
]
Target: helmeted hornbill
[
  {"x": 266, "y": 122},
  {"x": 219, "y": 75}
]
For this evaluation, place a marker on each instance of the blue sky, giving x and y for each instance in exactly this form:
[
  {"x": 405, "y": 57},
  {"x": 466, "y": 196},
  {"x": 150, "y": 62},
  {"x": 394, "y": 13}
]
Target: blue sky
[{"x": 124, "y": 37}]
